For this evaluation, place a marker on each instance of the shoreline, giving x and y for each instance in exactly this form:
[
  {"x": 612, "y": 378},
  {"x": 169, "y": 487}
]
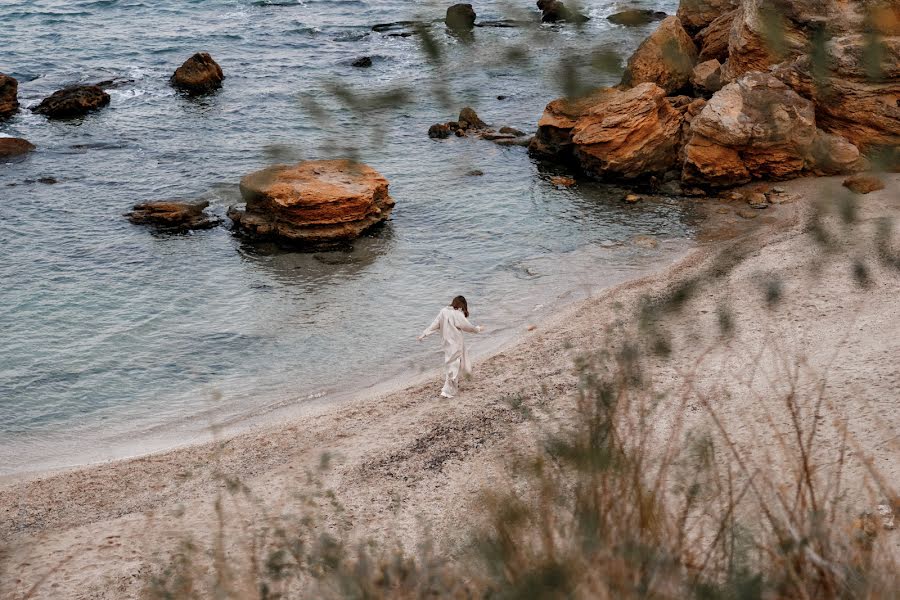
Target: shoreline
[{"x": 402, "y": 461}]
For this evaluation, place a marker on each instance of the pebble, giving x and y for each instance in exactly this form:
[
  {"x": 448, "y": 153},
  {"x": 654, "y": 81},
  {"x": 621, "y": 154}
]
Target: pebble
[
  {"x": 747, "y": 214},
  {"x": 779, "y": 190},
  {"x": 757, "y": 200},
  {"x": 560, "y": 181},
  {"x": 532, "y": 327},
  {"x": 632, "y": 198}
]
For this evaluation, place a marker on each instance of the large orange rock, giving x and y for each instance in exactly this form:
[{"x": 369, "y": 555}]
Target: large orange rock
[
  {"x": 697, "y": 14},
  {"x": 313, "y": 202},
  {"x": 9, "y": 96},
  {"x": 619, "y": 133},
  {"x": 712, "y": 40},
  {"x": 665, "y": 58}
]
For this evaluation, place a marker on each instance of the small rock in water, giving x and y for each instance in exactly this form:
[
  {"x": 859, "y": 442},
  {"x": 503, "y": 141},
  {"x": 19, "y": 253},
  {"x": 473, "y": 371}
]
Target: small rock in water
[
  {"x": 439, "y": 131},
  {"x": 460, "y": 17},
  {"x": 512, "y": 131},
  {"x": 362, "y": 62},
  {"x": 502, "y": 97},
  {"x": 863, "y": 183},
  {"x": 471, "y": 119},
  {"x": 561, "y": 181},
  {"x": 636, "y": 16},
  {"x": 475, "y": 173},
  {"x": 173, "y": 215},
  {"x": 757, "y": 200},
  {"x": 645, "y": 241},
  {"x": 72, "y": 101},
  {"x": 47, "y": 180},
  {"x": 9, "y": 96},
  {"x": 632, "y": 198},
  {"x": 199, "y": 74},
  {"x": 10, "y": 147}
]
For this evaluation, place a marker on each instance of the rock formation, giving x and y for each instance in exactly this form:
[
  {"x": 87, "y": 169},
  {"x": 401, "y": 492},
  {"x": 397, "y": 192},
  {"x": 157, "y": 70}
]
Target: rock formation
[
  {"x": 9, "y": 96},
  {"x": 553, "y": 11},
  {"x": 712, "y": 40},
  {"x": 199, "y": 74},
  {"x": 468, "y": 119},
  {"x": 666, "y": 58},
  {"x": 10, "y": 147},
  {"x": 172, "y": 215},
  {"x": 707, "y": 77},
  {"x": 312, "y": 202},
  {"x": 697, "y": 14},
  {"x": 636, "y": 16},
  {"x": 460, "y": 17},
  {"x": 72, "y": 101}
]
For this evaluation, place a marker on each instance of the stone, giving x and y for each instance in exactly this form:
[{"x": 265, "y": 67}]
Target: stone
[
  {"x": 834, "y": 155},
  {"x": 631, "y": 198},
  {"x": 9, "y": 96},
  {"x": 511, "y": 131},
  {"x": 863, "y": 183},
  {"x": 475, "y": 173},
  {"x": 470, "y": 117},
  {"x": 439, "y": 131},
  {"x": 621, "y": 133},
  {"x": 553, "y": 11},
  {"x": 645, "y": 241},
  {"x": 754, "y": 128},
  {"x": 697, "y": 14},
  {"x": 312, "y": 203},
  {"x": 757, "y": 200},
  {"x": 666, "y": 58},
  {"x": 712, "y": 40},
  {"x": 707, "y": 77},
  {"x": 199, "y": 74},
  {"x": 11, "y": 147},
  {"x": 363, "y": 62},
  {"x": 173, "y": 215},
  {"x": 460, "y": 17},
  {"x": 74, "y": 101},
  {"x": 562, "y": 181},
  {"x": 747, "y": 213},
  {"x": 636, "y": 16}
]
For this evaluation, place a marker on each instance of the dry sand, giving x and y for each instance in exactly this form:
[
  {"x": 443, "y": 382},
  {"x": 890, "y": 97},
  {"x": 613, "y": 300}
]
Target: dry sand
[{"x": 408, "y": 462}]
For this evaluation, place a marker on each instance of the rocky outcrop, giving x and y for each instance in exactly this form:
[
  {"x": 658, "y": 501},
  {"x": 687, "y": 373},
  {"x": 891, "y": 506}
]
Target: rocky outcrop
[
  {"x": 707, "y": 77},
  {"x": 9, "y": 96},
  {"x": 697, "y": 14},
  {"x": 469, "y": 119},
  {"x": 460, "y": 17},
  {"x": 199, "y": 74},
  {"x": 72, "y": 101},
  {"x": 173, "y": 215},
  {"x": 617, "y": 133},
  {"x": 758, "y": 128},
  {"x": 665, "y": 58},
  {"x": 634, "y": 17},
  {"x": 11, "y": 147},
  {"x": 553, "y": 11},
  {"x": 712, "y": 40},
  {"x": 312, "y": 202}
]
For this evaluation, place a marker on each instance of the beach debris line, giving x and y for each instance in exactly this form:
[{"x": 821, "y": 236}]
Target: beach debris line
[
  {"x": 9, "y": 96},
  {"x": 312, "y": 203},
  {"x": 199, "y": 74},
  {"x": 173, "y": 215},
  {"x": 74, "y": 101}
]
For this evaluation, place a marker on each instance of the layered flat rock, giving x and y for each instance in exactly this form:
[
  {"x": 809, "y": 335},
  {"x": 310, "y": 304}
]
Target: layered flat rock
[
  {"x": 665, "y": 58},
  {"x": 9, "y": 96},
  {"x": 74, "y": 101},
  {"x": 312, "y": 202},
  {"x": 173, "y": 215},
  {"x": 199, "y": 74},
  {"x": 697, "y": 14}
]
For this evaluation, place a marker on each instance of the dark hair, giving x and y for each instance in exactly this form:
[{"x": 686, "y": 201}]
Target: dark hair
[{"x": 459, "y": 303}]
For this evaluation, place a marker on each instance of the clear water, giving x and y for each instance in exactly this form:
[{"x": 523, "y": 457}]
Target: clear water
[{"x": 111, "y": 333}]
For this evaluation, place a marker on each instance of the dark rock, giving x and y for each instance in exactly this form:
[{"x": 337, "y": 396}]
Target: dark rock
[
  {"x": 439, "y": 131},
  {"x": 172, "y": 215},
  {"x": 501, "y": 23},
  {"x": 554, "y": 11},
  {"x": 470, "y": 117},
  {"x": 475, "y": 173},
  {"x": 512, "y": 131},
  {"x": 562, "y": 181},
  {"x": 72, "y": 101},
  {"x": 395, "y": 26},
  {"x": 363, "y": 62},
  {"x": 47, "y": 180},
  {"x": 460, "y": 17},
  {"x": 10, "y": 147},
  {"x": 636, "y": 16},
  {"x": 493, "y": 136},
  {"x": 459, "y": 132},
  {"x": 199, "y": 74},
  {"x": 9, "y": 96},
  {"x": 501, "y": 97}
]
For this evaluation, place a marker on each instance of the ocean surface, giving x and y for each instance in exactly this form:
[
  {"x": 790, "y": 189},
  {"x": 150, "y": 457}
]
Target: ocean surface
[{"x": 116, "y": 339}]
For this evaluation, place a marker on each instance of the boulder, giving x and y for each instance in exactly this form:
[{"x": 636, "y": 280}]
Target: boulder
[
  {"x": 863, "y": 183},
  {"x": 199, "y": 74},
  {"x": 172, "y": 215},
  {"x": 636, "y": 16},
  {"x": 712, "y": 40},
  {"x": 553, "y": 11},
  {"x": 758, "y": 128},
  {"x": 665, "y": 58},
  {"x": 470, "y": 118},
  {"x": 72, "y": 101},
  {"x": 697, "y": 14},
  {"x": 460, "y": 17},
  {"x": 363, "y": 62},
  {"x": 312, "y": 202},
  {"x": 619, "y": 133},
  {"x": 9, "y": 96},
  {"x": 707, "y": 77},
  {"x": 439, "y": 131},
  {"x": 10, "y": 147}
]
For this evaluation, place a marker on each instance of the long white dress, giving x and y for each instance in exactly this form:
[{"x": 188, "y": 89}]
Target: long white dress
[{"x": 451, "y": 322}]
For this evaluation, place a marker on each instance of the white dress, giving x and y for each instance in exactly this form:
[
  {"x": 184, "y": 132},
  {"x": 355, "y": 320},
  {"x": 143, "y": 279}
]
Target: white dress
[{"x": 451, "y": 322}]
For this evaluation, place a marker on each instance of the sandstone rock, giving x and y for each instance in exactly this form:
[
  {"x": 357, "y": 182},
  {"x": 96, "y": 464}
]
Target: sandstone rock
[
  {"x": 863, "y": 183},
  {"x": 10, "y": 147},
  {"x": 833, "y": 155},
  {"x": 9, "y": 96},
  {"x": 72, "y": 101},
  {"x": 665, "y": 58},
  {"x": 707, "y": 77},
  {"x": 561, "y": 181},
  {"x": 554, "y": 11},
  {"x": 713, "y": 39},
  {"x": 636, "y": 16},
  {"x": 697, "y": 14},
  {"x": 631, "y": 198},
  {"x": 312, "y": 202},
  {"x": 363, "y": 62},
  {"x": 757, "y": 200},
  {"x": 470, "y": 117},
  {"x": 439, "y": 131},
  {"x": 626, "y": 134},
  {"x": 754, "y": 128},
  {"x": 199, "y": 74},
  {"x": 172, "y": 215},
  {"x": 460, "y": 17}
]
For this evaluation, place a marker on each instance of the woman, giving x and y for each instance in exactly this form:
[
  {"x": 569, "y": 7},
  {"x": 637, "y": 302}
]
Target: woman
[{"x": 451, "y": 322}]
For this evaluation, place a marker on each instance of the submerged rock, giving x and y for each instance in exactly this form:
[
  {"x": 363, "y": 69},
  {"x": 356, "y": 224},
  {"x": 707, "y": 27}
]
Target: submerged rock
[
  {"x": 553, "y": 11},
  {"x": 460, "y": 17},
  {"x": 665, "y": 58},
  {"x": 72, "y": 101},
  {"x": 9, "y": 96},
  {"x": 363, "y": 62},
  {"x": 173, "y": 215},
  {"x": 439, "y": 131},
  {"x": 199, "y": 74},
  {"x": 636, "y": 16},
  {"x": 312, "y": 202},
  {"x": 10, "y": 147}
]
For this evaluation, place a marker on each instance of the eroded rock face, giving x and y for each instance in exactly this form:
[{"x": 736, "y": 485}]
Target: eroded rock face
[
  {"x": 460, "y": 17},
  {"x": 172, "y": 215},
  {"x": 10, "y": 147},
  {"x": 72, "y": 101},
  {"x": 697, "y": 14},
  {"x": 312, "y": 202},
  {"x": 712, "y": 40},
  {"x": 707, "y": 77},
  {"x": 199, "y": 74},
  {"x": 9, "y": 96},
  {"x": 665, "y": 58},
  {"x": 626, "y": 134},
  {"x": 758, "y": 128}
]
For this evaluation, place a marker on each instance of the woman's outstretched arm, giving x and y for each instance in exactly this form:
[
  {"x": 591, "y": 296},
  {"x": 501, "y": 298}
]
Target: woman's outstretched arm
[
  {"x": 433, "y": 328},
  {"x": 462, "y": 323}
]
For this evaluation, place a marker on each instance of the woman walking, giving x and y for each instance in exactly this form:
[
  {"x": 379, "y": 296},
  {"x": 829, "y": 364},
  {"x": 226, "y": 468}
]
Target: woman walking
[{"x": 451, "y": 322}]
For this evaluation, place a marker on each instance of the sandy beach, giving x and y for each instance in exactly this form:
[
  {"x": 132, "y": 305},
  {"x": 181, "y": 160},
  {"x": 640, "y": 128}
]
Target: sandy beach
[{"x": 408, "y": 465}]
